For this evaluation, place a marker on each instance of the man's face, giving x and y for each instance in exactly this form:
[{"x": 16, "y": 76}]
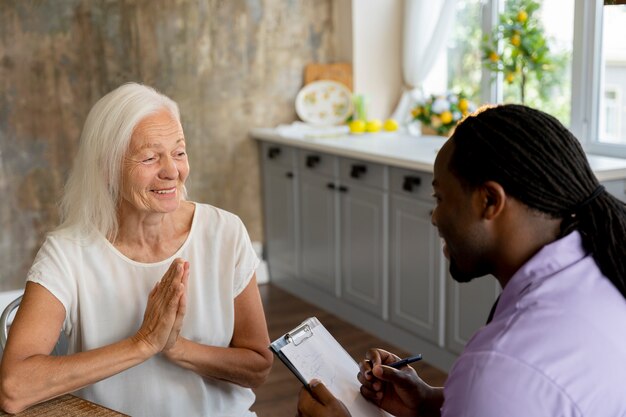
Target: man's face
[{"x": 457, "y": 216}]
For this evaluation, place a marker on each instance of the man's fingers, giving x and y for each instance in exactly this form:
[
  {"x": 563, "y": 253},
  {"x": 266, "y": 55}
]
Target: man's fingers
[{"x": 320, "y": 392}]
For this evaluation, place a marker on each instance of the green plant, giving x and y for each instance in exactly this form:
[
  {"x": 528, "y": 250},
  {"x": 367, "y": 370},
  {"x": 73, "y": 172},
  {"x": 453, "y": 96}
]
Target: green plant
[{"x": 518, "y": 47}]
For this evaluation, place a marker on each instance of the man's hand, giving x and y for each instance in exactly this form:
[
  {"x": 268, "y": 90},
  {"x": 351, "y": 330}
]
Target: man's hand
[
  {"x": 321, "y": 404},
  {"x": 401, "y": 392}
]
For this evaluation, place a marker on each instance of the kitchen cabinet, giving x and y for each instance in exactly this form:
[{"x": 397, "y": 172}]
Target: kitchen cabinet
[
  {"x": 279, "y": 188},
  {"x": 363, "y": 207},
  {"x": 617, "y": 188},
  {"x": 468, "y": 305},
  {"x": 416, "y": 261},
  {"x": 318, "y": 203},
  {"x": 348, "y": 228}
]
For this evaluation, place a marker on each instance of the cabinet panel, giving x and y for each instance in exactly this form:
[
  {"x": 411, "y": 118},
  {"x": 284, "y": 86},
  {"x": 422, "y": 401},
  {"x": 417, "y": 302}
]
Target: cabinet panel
[
  {"x": 411, "y": 183},
  {"x": 363, "y": 242},
  {"x": 318, "y": 232},
  {"x": 278, "y": 154},
  {"x": 617, "y": 188},
  {"x": 365, "y": 173},
  {"x": 280, "y": 212},
  {"x": 416, "y": 277},
  {"x": 468, "y": 306}
]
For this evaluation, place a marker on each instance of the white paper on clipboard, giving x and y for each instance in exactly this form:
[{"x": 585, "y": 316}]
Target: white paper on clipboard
[{"x": 315, "y": 353}]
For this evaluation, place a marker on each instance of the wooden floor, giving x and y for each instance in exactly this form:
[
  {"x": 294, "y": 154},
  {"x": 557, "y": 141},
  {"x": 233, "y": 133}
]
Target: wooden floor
[{"x": 278, "y": 396}]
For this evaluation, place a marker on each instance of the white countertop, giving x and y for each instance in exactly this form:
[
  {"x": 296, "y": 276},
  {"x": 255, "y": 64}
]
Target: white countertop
[{"x": 405, "y": 151}]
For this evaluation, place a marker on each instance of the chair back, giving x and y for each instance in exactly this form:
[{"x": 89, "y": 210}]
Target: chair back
[{"x": 5, "y": 321}]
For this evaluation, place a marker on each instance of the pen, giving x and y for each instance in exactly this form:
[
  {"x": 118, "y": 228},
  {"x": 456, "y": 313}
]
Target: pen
[{"x": 406, "y": 361}]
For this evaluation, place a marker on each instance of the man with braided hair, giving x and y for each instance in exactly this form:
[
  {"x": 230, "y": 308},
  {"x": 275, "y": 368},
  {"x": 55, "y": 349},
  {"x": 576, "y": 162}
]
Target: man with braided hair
[{"x": 517, "y": 199}]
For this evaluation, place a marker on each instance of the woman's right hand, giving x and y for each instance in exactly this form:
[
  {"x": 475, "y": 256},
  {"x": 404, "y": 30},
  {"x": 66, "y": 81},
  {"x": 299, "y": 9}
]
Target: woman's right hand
[
  {"x": 401, "y": 391},
  {"x": 163, "y": 315}
]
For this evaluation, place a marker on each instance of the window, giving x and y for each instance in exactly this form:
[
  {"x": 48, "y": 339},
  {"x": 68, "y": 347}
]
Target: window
[{"x": 585, "y": 90}]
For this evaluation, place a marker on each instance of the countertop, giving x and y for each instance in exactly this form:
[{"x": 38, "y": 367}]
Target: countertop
[{"x": 406, "y": 151}]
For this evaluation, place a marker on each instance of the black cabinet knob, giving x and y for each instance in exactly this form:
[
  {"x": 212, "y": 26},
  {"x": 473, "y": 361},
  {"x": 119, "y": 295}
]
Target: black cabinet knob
[
  {"x": 330, "y": 186},
  {"x": 289, "y": 174},
  {"x": 358, "y": 170},
  {"x": 410, "y": 182},
  {"x": 312, "y": 161},
  {"x": 343, "y": 189},
  {"x": 273, "y": 152}
]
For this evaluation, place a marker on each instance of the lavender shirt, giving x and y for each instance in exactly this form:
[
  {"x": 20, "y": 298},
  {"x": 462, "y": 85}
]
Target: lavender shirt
[{"x": 556, "y": 345}]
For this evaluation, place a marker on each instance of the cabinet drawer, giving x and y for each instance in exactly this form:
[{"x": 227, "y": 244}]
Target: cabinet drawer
[
  {"x": 411, "y": 183},
  {"x": 316, "y": 163},
  {"x": 364, "y": 173},
  {"x": 278, "y": 154}
]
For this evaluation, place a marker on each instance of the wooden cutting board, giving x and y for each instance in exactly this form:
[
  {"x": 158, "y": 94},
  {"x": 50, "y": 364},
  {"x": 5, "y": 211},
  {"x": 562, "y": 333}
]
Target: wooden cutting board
[{"x": 340, "y": 72}]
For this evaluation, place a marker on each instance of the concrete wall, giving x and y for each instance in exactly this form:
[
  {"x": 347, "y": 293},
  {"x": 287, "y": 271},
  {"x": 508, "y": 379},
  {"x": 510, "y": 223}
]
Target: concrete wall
[{"x": 231, "y": 65}]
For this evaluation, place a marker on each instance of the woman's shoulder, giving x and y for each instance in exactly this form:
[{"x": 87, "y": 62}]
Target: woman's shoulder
[{"x": 211, "y": 214}]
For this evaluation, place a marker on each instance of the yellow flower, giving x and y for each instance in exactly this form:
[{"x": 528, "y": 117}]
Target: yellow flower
[
  {"x": 522, "y": 16},
  {"x": 516, "y": 40},
  {"x": 509, "y": 77},
  {"x": 416, "y": 112},
  {"x": 446, "y": 117},
  {"x": 493, "y": 56},
  {"x": 463, "y": 104}
]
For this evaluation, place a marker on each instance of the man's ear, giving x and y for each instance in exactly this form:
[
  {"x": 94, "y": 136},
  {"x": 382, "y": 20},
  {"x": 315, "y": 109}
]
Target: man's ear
[{"x": 494, "y": 199}]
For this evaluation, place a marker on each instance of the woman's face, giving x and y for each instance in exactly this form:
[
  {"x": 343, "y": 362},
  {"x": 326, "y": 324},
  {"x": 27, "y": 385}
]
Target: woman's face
[{"x": 155, "y": 167}]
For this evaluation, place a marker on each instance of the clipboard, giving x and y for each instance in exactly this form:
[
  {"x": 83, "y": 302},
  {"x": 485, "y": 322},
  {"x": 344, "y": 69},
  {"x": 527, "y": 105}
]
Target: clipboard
[{"x": 310, "y": 351}]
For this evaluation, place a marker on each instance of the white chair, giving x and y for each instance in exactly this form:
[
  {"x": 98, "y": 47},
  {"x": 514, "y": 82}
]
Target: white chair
[{"x": 7, "y": 317}]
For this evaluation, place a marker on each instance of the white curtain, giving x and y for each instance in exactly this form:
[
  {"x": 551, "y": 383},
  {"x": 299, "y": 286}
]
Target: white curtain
[{"x": 426, "y": 29}]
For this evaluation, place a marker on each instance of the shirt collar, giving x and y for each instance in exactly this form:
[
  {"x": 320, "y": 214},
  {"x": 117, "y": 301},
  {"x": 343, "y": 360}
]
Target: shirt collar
[{"x": 550, "y": 259}]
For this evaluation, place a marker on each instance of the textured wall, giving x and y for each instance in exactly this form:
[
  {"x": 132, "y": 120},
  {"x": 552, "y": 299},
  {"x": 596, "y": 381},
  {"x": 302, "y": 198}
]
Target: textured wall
[{"x": 231, "y": 65}]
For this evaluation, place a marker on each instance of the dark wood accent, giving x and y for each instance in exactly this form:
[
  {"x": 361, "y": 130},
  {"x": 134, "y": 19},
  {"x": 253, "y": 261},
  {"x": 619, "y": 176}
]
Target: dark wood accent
[{"x": 279, "y": 395}]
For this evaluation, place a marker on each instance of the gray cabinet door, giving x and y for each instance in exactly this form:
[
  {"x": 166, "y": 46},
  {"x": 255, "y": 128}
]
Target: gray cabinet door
[
  {"x": 468, "y": 307},
  {"x": 415, "y": 265},
  {"x": 280, "y": 211},
  {"x": 617, "y": 188},
  {"x": 318, "y": 232},
  {"x": 280, "y": 221},
  {"x": 363, "y": 243}
]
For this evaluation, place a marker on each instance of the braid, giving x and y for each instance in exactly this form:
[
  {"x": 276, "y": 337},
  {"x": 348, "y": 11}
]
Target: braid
[{"x": 540, "y": 163}]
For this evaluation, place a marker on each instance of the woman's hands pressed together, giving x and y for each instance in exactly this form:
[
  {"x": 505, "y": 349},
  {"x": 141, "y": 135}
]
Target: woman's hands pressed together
[{"x": 165, "y": 310}]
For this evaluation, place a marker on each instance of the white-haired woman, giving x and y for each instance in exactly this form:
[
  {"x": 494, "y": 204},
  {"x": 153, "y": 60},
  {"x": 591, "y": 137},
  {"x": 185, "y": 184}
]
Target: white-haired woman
[{"x": 156, "y": 295}]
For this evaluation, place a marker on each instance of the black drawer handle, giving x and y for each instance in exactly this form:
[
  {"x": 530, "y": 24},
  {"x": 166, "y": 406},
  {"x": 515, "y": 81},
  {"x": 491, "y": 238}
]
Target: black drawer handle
[
  {"x": 330, "y": 186},
  {"x": 358, "y": 170},
  {"x": 312, "y": 161},
  {"x": 289, "y": 174},
  {"x": 273, "y": 152},
  {"x": 410, "y": 182},
  {"x": 343, "y": 189}
]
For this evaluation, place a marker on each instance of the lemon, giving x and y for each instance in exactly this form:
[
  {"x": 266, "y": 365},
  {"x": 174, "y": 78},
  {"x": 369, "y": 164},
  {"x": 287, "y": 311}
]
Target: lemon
[
  {"x": 373, "y": 125},
  {"x": 493, "y": 56},
  {"x": 390, "y": 125},
  {"x": 446, "y": 117},
  {"x": 522, "y": 16},
  {"x": 357, "y": 126},
  {"x": 516, "y": 40},
  {"x": 463, "y": 104}
]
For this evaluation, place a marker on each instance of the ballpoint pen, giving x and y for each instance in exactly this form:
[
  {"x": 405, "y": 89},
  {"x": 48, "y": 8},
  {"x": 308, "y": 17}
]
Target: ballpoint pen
[{"x": 405, "y": 361}]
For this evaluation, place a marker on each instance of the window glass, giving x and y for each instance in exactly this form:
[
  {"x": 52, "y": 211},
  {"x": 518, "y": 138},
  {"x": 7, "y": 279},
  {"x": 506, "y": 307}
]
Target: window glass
[{"x": 612, "y": 111}]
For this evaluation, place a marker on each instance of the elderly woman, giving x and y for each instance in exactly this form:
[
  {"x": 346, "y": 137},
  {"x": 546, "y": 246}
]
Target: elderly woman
[{"x": 156, "y": 295}]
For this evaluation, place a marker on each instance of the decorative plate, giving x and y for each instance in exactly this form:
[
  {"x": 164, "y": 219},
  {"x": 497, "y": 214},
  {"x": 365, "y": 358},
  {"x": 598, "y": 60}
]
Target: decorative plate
[{"x": 324, "y": 103}]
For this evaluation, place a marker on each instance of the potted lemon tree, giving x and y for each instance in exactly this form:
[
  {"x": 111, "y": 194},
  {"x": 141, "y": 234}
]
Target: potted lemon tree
[{"x": 518, "y": 47}]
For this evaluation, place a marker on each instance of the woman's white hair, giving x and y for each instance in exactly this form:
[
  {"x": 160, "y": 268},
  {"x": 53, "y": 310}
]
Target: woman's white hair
[{"x": 92, "y": 191}]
